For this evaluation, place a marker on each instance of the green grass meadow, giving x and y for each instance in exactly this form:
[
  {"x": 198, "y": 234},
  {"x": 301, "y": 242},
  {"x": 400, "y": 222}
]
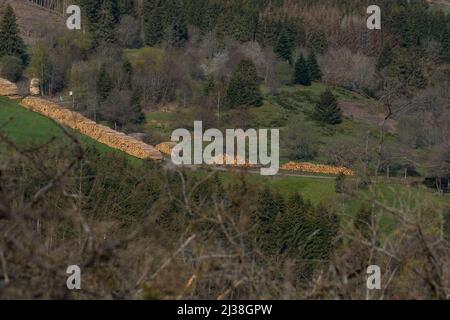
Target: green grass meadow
[{"x": 27, "y": 128}]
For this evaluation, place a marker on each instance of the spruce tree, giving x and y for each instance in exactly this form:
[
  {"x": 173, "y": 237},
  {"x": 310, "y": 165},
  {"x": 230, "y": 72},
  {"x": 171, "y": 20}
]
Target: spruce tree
[
  {"x": 327, "y": 110},
  {"x": 243, "y": 89},
  {"x": 104, "y": 29},
  {"x": 91, "y": 9},
  {"x": 269, "y": 206},
  {"x": 314, "y": 68},
  {"x": 326, "y": 228},
  {"x": 11, "y": 44},
  {"x": 302, "y": 73},
  {"x": 177, "y": 31},
  {"x": 154, "y": 21},
  {"x": 285, "y": 46},
  {"x": 104, "y": 84},
  {"x": 295, "y": 228}
]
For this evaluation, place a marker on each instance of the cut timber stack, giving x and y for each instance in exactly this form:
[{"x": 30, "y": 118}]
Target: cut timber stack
[
  {"x": 166, "y": 147},
  {"x": 8, "y": 89},
  {"x": 232, "y": 161},
  {"x": 316, "y": 168},
  {"x": 103, "y": 134}
]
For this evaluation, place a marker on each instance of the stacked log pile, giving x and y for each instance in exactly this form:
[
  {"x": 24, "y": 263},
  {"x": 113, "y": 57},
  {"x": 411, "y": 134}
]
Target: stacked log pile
[
  {"x": 316, "y": 168},
  {"x": 230, "y": 161},
  {"x": 220, "y": 160},
  {"x": 103, "y": 134},
  {"x": 8, "y": 89},
  {"x": 166, "y": 147}
]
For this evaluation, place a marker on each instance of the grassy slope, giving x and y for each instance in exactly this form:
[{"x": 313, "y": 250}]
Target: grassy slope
[
  {"x": 314, "y": 189},
  {"x": 25, "y": 127}
]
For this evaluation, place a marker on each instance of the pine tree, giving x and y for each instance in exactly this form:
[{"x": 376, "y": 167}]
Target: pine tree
[
  {"x": 295, "y": 228},
  {"x": 104, "y": 29},
  {"x": 11, "y": 44},
  {"x": 314, "y": 68},
  {"x": 326, "y": 228},
  {"x": 91, "y": 9},
  {"x": 177, "y": 32},
  {"x": 154, "y": 21},
  {"x": 302, "y": 73},
  {"x": 243, "y": 89},
  {"x": 104, "y": 84},
  {"x": 328, "y": 110},
  {"x": 285, "y": 46},
  {"x": 269, "y": 206}
]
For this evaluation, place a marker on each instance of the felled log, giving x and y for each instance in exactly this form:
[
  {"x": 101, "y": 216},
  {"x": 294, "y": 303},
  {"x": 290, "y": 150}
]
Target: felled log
[
  {"x": 316, "y": 168},
  {"x": 111, "y": 138},
  {"x": 8, "y": 89}
]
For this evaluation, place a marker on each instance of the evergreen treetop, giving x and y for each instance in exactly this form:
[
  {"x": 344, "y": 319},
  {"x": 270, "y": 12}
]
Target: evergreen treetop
[
  {"x": 285, "y": 46},
  {"x": 243, "y": 89},
  {"x": 327, "y": 110},
  {"x": 104, "y": 29},
  {"x": 11, "y": 44},
  {"x": 302, "y": 73}
]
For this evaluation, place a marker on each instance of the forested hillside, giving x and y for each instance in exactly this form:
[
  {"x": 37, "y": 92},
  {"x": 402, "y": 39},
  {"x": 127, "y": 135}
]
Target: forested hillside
[{"x": 374, "y": 103}]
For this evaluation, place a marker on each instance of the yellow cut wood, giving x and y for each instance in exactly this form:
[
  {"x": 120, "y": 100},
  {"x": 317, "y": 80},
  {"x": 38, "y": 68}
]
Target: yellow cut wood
[{"x": 114, "y": 139}]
